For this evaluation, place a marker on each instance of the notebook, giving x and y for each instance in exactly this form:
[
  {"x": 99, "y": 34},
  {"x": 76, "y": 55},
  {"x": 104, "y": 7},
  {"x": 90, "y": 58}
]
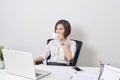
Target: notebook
[{"x": 20, "y": 63}]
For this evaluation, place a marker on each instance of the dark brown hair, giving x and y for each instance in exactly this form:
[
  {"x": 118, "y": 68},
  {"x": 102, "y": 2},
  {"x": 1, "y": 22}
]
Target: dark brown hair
[{"x": 66, "y": 26}]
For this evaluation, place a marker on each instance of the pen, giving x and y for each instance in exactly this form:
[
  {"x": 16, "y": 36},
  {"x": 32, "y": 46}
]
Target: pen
[{"x": 72, "y": 76}]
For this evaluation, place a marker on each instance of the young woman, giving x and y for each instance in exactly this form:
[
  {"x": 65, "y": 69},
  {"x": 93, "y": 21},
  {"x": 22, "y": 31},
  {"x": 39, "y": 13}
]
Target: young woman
[{"x": 62, "y": 50}]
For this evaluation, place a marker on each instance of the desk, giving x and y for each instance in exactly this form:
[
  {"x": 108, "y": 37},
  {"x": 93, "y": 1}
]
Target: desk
[{"x": 58, "y": 72}]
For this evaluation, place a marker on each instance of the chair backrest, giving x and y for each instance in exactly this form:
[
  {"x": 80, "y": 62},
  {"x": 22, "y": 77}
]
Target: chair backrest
[{"x": 78, "y": 48}]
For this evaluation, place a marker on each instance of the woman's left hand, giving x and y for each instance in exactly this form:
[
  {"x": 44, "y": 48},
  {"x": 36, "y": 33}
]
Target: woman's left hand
[{"x": 61, "y": 38}]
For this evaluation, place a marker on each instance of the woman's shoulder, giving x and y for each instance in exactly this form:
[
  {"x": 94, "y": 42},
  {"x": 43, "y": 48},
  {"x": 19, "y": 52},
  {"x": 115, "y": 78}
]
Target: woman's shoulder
[{"x": 52, "y": 41}]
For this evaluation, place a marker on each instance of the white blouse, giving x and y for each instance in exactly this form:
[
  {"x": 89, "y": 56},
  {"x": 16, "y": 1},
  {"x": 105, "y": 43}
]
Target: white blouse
[{"x": 57, "y": 53}]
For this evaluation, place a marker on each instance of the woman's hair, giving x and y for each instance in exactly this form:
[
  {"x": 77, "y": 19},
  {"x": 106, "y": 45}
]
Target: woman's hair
[{"x": 66, "y": 26}]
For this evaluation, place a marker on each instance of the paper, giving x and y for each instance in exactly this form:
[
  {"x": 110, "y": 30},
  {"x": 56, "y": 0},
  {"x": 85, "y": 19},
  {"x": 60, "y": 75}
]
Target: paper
[
  {"x": 84, "y": 76},
  {"x": 62, "y": 73},
  {"x": 110, "y": 73}
]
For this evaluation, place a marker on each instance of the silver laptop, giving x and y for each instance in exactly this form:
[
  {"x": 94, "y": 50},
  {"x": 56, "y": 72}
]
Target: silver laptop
[{"x": 21, "y": 63}]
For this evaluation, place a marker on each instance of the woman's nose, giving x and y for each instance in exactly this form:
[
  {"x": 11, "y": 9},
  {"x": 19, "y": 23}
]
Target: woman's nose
[{"x": 57, "y": 31}]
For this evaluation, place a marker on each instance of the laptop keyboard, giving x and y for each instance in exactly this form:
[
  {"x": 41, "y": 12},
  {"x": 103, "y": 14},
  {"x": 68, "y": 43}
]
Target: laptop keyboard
[{"x": 37, "y": 74}]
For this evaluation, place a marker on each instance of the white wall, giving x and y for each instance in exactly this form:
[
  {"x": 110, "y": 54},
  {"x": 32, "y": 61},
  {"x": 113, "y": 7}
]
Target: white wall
[{"x": 27, "y": 24}]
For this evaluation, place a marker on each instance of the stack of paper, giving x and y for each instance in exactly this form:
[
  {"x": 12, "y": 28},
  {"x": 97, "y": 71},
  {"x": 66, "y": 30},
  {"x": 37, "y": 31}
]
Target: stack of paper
[{"x": 84, "y": 76}]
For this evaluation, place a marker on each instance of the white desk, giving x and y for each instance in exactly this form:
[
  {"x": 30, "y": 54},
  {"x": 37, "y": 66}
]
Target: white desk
[{"x": 58, "y": 73}]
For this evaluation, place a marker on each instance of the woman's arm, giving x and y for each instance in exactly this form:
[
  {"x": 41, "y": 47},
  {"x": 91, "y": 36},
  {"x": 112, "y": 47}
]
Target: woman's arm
[
  {"x": 67, "y": 52},
  {"x": 44, "y": 55},
  {"x": 69, "y": 49},
  {"x": 38, "y": 59}
]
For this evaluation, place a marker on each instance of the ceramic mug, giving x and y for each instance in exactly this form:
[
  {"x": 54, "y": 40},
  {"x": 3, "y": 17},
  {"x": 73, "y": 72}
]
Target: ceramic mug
[{"x": 54, "y": 35}]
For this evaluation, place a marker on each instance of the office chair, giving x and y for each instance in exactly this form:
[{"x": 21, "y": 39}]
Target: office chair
[{"x": 74, "y": 60}]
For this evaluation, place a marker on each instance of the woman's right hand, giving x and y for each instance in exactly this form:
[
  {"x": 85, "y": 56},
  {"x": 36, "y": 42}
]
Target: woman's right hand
[
  {"x": 38, "y": 59},
  {"x": 34, "y": 61}
]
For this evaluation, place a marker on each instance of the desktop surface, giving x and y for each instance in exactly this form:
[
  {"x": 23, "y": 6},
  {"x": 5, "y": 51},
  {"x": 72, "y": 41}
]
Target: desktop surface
[{"x": 58, "y": 72}]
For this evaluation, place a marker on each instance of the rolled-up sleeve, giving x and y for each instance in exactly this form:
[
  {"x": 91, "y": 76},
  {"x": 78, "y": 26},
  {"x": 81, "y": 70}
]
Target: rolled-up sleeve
[{"x": 46, "y": 51}]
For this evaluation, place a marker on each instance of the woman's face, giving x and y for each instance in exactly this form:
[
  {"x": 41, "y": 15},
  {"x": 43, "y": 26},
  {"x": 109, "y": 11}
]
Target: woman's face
[{"x": 60, "y": 29}]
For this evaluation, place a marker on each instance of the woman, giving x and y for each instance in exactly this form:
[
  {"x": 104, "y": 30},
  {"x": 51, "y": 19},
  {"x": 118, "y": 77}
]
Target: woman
[{"x": 62, "y": 50}]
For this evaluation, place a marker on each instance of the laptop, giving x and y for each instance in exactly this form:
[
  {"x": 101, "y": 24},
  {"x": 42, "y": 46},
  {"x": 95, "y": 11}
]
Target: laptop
[{"x": 21, "y": 63}]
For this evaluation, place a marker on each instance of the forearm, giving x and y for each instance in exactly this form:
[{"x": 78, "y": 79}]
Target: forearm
[{"x": 67, "y": 52}]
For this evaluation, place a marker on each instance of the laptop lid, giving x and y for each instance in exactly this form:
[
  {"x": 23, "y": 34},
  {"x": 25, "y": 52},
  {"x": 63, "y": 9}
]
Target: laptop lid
[{"x": 20, "y": 63}]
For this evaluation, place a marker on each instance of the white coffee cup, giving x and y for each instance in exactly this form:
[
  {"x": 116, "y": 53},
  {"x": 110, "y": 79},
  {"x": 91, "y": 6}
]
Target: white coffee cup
[{"x": 54, "y": 35}]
